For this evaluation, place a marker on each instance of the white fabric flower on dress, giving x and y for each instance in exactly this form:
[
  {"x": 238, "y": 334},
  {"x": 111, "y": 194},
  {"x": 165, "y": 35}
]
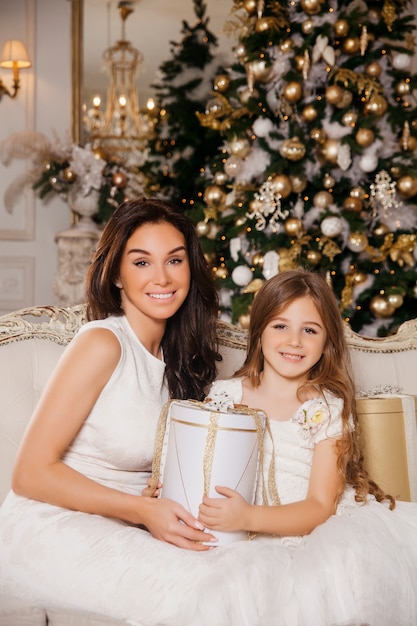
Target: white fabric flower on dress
[
  {"x": 220, "y": 401},
  {"x": 311, "y": 416}
]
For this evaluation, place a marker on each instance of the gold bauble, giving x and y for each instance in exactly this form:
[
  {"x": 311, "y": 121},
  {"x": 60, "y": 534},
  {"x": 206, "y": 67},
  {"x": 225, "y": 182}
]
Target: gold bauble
[
  {"x": 396, "y": 300},
  {"x": 119, "y": 180},
  {"x": 373, "y": 69},
  {"x": 354, "y": 205},
  {"x": 364, "y": 137},
  {"x": 345, "y": 100},
  {"x": 293, "y": 227},
  {"x": 318, "y": 134},
  {"x": 220, "y": 178},
  {"x": 333, "y": 93},
  {"x": 240, "y": 221},
  {"x": 330, "y": 150},
  {"x": 376, "y": 105},
  {"x": 402, "y": 88},
  {"x": 259, "y": 70},
  {"x": 244, "y": 321},
  {"x": 286, "y": 45},
  {"x": 240, "y": 146},
  {"x": 307, "y": 26},
  {"x": 311, "y": 7},
  {"x": 293, "y": 91},
  {"x": 309, "y": 113},
  {"x": 214, "y": 195},
  {"x": 357, "y": 242},
  {"x": 281, "y": 184},
  {"x": 341, "y": 28},
  {"x": 359, "y": 277},
  {"x": 395, "y": 171},
  {"x": 250, "y": 6},
  {"x": 349, "y": 118},
  {"x": 292, "y": 149},
  {"x": 380, "y": 307},
  {"x": 410, "y": 145},
  {"x": 351, "y": 45},
  {"x": 210, "y": 258},
  {"x": 69, "y": 175},
  {"x": 298, "y": 183},
  {"x": 381, "y": 230},
  {"x": 357, "y": 192},
  {"x": 258, "y": 259},
  {"x": 221, "y": 82},
  {"x": 322, "y": 199},
  {"x": 313, "y": 257},
  {"x": 300, "y": 61},
  {"x": 202, "y": 228},
  {"x": 328, "y": 181},
  {"x": 407, "y": 186},
  {"x": 240, "y": 52},
  {"x": 221, "y": 272},
  {"x": 246, "y": 93},
  {"x": 263, "y": 24}
]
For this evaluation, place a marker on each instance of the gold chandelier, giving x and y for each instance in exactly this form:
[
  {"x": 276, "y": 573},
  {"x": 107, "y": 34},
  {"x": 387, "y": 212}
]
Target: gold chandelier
[{"x": 123, "y": 126}]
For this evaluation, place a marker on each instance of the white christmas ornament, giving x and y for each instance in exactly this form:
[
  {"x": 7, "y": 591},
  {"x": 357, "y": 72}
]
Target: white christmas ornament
[
  {"x": 270, "y": 265},
  {"x": 235, "y": 247},
  {"x": 368, "y": 162},
  {"x": 233, "y": 166},
  {"x": 331, "y": 226},
  {"x": 242, "y": 275},
  {"x": 401, "y": 61}
]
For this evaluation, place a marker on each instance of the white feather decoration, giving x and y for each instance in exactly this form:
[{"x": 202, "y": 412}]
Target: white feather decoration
[{"x": 24, "y": 145}]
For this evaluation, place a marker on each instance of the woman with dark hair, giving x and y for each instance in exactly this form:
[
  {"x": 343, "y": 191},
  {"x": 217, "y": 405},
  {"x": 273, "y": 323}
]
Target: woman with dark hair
[{"x": 78, "y": 530}]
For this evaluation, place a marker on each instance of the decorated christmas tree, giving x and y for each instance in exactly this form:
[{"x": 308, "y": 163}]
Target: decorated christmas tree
[
  {"x": 181, "y": 146},
  {"x": 318, "y": 166}
]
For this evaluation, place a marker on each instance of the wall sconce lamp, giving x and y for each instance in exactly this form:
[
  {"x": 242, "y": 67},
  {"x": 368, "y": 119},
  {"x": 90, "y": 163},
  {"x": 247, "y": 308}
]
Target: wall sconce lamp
[{"x": 15, "y": 57}]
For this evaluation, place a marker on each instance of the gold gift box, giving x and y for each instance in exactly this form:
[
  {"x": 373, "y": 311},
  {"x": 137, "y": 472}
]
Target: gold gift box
[{"x": 389, "y": 440}]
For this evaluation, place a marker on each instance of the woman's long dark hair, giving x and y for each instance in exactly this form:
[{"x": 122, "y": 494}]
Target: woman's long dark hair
[{"x": 190, "y": 342}]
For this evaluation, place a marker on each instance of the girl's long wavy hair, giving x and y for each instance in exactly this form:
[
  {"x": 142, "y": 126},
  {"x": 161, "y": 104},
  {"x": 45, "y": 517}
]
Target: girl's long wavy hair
[
  {"x": 332, "y": 372},
  {"x": 190, "y": 342}
]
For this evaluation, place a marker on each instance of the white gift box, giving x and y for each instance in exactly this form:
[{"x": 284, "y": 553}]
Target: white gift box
[{"x": 198, "y": 447}]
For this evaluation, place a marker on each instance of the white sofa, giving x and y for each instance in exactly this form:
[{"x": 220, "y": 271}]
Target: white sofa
[{"x": 32, "y": 339}]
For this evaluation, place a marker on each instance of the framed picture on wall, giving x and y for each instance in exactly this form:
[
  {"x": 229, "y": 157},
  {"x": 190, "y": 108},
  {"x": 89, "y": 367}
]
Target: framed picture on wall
[{"x": 16, "y": 282}]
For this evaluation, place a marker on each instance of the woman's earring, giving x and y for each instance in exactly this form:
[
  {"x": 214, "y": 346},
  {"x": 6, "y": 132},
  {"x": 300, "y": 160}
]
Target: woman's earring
[{"x": 118, "y": 284}]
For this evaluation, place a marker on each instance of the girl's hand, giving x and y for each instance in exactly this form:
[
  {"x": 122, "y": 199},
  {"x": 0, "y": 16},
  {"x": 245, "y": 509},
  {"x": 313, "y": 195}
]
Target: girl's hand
[
  {"x": 168, "y": 521},
  {"x": 227, "y": 513},
  {"x": 151, "y": 490}
]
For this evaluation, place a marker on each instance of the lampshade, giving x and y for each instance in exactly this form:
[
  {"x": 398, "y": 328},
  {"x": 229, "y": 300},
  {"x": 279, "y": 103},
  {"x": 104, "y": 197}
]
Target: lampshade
[{"x": 14, "y": 52}]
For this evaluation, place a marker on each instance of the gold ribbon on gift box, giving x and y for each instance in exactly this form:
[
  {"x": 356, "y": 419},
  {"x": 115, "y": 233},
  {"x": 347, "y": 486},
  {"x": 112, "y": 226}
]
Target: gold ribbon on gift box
[{"x": 389, "y": 440}]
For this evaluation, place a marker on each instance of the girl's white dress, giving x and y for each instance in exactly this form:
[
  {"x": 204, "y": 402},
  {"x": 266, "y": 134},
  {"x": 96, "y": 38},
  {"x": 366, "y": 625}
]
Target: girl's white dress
[{"x": 360, "y": 567}]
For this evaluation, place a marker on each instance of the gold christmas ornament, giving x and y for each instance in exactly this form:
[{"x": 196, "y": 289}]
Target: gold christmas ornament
[
  {"x": 286, "y": 45},
  {"x": 319, "y": 135},
  {"x": 381, "y": 230},
  {"x": 119, "y": 180},
  {"x": 349, "y": 118},
  {"x": 240, "y": 52},
  {"x": 345, "y": 100},
  {"x": 373, "y": 69},
  {"x": 333, "y": 93},
  {"x": 341, "y": 28},
  {"x": 221, "y": 82},
  {"x": 376, "y": 105},
  {"x": 245, "y": 93},
  {"x": 311, "y": 7},
  {"x": 240, "y": 221},
  {"x": 293, "y": 227},
  {"x": 264, "y": 24},
  {"x": 298, "y": 183},
  {"x": 357, "y": 192},
  {"x": 250, "y": 6},
  {"x": 292, "y": 149},
  {"x": 328, "y": 181},
  {"x": 307, "y": 27},
  {"x": 202, "y": 228},
  {"x": 355, "y": 205},
  {"x": 351, "y": 45},
  {"x": 313, "y": 257},
  {"x": 395, "y": 171},
  {"x": 214, "y": 195},
  {"x": 396, "y": 300},
  {"x": 330, "y": 150},
  {"x": 359, "y": 277},
  {"x": 309, "y": 113},
  {"x": 322, "y": 199},
  {"x": 221, "y": 272},
  {"x": 410, "y": 145},
  {"x": 210, "y": 258},
  {"x": 244, "y": 320},
  {"x": 258, "y": 70},
  {"x": 364, "y": 137},
  {"x": 240, "y": 146},
  {"x": 258, "y": 259},
  {"x": 293, "y": 91},
  {"x": 380, "y": 307},
  {"x": 220, "y": 178},
  {"x": 282, "y": 185},
  {"x": 69, "y": 175},
  {"x": 402, "y": 88},
  {"x": 357, "y": 242},
  {"x": 407, "y": 186}
]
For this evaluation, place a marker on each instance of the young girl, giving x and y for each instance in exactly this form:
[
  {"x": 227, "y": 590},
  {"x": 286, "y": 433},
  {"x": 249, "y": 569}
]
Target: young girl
[
  {"x": 344, "y": 554},
  {"x": 77, "y": 532}
]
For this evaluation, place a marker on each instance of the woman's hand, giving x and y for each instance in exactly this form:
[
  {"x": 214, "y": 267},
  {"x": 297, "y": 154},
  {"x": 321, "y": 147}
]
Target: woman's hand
[
  {"x": 168, "y": 521},
  {"x": 152, "y": 490},
  {"x": 228, "y": 513}
]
